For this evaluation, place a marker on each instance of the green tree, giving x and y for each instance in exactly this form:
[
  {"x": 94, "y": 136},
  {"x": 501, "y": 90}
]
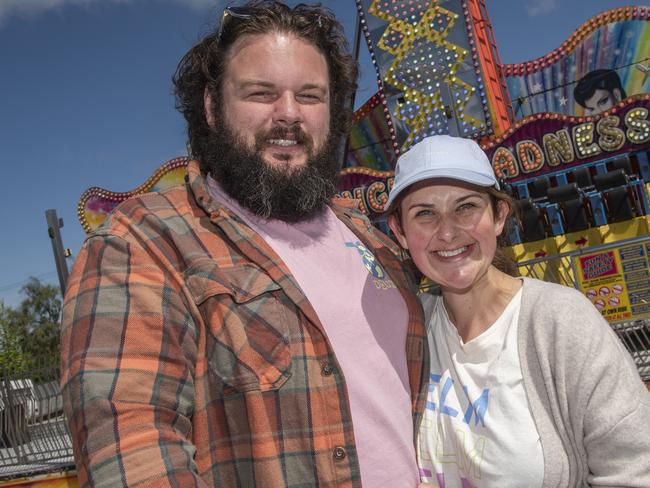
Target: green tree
[
  {"x": 39, "y": 314},
  {"x": 30, "y": 333},
  {"x": 12, "y": 339}
]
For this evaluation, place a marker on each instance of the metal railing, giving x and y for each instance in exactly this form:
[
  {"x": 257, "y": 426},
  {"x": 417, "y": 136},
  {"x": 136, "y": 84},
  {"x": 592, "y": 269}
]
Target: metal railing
[
  {"x": 560, "y": 268},
  {"x": 34, "y": 436}
]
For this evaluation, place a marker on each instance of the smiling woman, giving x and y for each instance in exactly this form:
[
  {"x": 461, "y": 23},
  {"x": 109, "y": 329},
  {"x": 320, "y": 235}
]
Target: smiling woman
[
  {"x": 519, "y": 393},
  {"x": 450, "y": 231}
]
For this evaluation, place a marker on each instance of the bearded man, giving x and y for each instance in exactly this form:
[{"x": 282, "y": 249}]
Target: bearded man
[{"x": 248, "y": 329}]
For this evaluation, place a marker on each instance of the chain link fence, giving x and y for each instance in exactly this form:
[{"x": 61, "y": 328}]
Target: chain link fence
[{"x": 561, "y": 268}]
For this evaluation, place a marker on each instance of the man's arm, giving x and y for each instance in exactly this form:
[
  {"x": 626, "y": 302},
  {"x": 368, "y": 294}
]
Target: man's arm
[{"x": 128, "y": 350}]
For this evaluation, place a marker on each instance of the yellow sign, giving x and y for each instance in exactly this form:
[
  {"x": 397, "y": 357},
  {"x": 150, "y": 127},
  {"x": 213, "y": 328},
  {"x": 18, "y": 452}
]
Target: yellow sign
[{"x": 617, "y": 281}]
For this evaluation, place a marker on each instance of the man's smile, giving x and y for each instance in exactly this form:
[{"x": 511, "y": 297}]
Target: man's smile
[{"x": 282, "y": 142}]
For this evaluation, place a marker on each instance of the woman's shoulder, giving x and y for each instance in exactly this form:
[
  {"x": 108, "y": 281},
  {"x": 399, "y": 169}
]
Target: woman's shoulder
[
  {"x": 561, "y": 314},
  {"x": 554, "y": 297},
  {"x": 533, "y": 284}
]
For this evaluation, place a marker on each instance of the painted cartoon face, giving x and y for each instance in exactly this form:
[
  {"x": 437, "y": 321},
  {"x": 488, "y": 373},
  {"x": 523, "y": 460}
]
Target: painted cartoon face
[
  {"x": 450, "y": 230},
  {"x": 601, "y": 100},
  {"x": 276, "y": 96}
]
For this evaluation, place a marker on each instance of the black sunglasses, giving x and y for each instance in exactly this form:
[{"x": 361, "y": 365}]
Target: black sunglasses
[{"x": 244, "y": 13}]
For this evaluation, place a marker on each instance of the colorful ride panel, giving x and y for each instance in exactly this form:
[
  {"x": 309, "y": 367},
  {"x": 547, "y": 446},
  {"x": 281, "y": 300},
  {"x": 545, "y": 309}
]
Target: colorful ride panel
[
  {"x": 609, "y": 52},
  {"x": 97, "y": 203},
  {"x": 430, "y": 71}
]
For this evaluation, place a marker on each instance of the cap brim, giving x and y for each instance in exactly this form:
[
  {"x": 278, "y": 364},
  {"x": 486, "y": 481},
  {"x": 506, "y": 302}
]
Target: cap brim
[{"x": 471, "y": 177}]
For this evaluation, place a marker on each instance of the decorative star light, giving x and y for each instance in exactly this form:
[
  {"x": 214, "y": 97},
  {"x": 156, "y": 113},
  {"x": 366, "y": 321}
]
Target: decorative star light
[
  {"x": 536, "y": 88},
  {"x": 563, "y": 101}
]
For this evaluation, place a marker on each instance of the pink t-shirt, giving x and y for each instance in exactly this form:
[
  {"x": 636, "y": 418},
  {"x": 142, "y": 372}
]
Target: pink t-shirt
[{"x": 365, "y": 319}]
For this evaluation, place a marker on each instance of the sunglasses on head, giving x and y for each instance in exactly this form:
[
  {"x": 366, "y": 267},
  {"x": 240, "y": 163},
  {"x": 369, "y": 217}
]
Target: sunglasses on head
[{"x": 244, "y": 13}]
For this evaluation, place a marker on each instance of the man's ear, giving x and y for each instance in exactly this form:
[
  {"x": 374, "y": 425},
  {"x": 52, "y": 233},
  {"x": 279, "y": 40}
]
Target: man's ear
[
  {"x": 207, "y": 107},
  {"x": 396, "y": 226},
  {"x": 617, "y": 94}
]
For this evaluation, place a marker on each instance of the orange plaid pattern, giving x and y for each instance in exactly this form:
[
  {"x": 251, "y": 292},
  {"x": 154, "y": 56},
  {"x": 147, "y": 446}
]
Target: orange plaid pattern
[{"x": 190, "y": 356}]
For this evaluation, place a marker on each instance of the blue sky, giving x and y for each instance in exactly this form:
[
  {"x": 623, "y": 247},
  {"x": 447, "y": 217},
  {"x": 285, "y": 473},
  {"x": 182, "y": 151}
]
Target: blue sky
[{"x": 85, "y": 100}]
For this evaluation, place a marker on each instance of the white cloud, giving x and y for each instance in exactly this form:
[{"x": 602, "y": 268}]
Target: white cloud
[
  {"x": 540, "y": 7},
  {"x": 26, "y": 8}
]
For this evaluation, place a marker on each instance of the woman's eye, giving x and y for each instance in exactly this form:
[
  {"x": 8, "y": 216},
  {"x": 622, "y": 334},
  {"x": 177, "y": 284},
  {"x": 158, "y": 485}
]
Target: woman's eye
[
  {"x": 423, "y": 213},
  {"x": 467, "y": 206}
]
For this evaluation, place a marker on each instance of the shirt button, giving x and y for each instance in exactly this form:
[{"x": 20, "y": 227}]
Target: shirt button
[
  {"x": 327, "y": 369},
  {"x": 339, "y": 453}
]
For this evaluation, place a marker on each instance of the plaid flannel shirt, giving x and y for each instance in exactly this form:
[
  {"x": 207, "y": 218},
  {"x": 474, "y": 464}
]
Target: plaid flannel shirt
[{"x": 191, "y": 357}]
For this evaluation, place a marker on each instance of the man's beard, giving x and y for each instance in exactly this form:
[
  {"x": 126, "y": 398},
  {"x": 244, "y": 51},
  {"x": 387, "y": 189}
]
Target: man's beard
[{"x": 291, "y": 194}]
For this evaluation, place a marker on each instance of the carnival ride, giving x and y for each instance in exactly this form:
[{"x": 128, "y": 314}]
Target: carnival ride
[{"x": 575, "y": 158}]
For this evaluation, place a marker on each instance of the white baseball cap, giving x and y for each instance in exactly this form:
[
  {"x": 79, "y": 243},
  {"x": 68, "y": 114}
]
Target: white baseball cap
[{"x": 442, "y": 156}]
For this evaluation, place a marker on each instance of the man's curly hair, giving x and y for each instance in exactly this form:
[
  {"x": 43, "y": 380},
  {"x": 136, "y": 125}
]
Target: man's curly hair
[{"x": 205, "y": 64}]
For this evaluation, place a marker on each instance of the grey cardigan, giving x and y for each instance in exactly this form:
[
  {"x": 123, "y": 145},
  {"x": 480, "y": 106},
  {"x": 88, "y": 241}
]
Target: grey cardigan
[{"x": 590, "y": 407}]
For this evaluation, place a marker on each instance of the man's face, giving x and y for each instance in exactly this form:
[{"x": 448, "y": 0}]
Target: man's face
[
  {"x": 276, "y": 99},
  {"x": 601, "y": 100},
  {"x": 270, "y": 146}
]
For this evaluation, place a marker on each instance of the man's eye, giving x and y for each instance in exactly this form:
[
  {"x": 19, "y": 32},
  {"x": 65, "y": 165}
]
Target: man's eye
[
  {"x": 309, "y": 97},
  {"x": 260, "y": 94}
]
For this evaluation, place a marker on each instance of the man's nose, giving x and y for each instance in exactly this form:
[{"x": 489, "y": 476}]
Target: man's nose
[{"x": 287, "y": 110}]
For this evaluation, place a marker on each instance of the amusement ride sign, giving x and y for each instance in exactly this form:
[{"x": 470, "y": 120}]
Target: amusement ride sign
[{"x": 545, "y": 143}]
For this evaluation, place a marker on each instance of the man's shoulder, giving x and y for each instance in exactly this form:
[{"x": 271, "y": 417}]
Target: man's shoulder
[
  {"x": 347, "y": 205},
  {"x": 157, "y": 208},
  {"x": 385, "y": 249}
]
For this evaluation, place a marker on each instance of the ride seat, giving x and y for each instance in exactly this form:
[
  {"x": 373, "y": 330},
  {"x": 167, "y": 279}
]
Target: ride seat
[
  {"x": 617, "y": 193},
  {"x": 624, "y": 163},
  {"x": 531, "y": 219},
  {"x": 539, "y": 187},
  {"x": 572, "y": 207},
  {"x": 582, "y": 176}
]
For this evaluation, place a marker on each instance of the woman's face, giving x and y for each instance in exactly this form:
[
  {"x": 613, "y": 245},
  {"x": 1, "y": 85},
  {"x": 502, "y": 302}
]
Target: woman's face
[{"x": 450, "y": 230}]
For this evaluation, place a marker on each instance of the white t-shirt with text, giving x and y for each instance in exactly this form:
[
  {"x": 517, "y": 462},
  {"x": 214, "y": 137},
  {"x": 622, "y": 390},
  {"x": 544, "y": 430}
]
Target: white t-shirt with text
[{"x": 477, "y": 430}]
